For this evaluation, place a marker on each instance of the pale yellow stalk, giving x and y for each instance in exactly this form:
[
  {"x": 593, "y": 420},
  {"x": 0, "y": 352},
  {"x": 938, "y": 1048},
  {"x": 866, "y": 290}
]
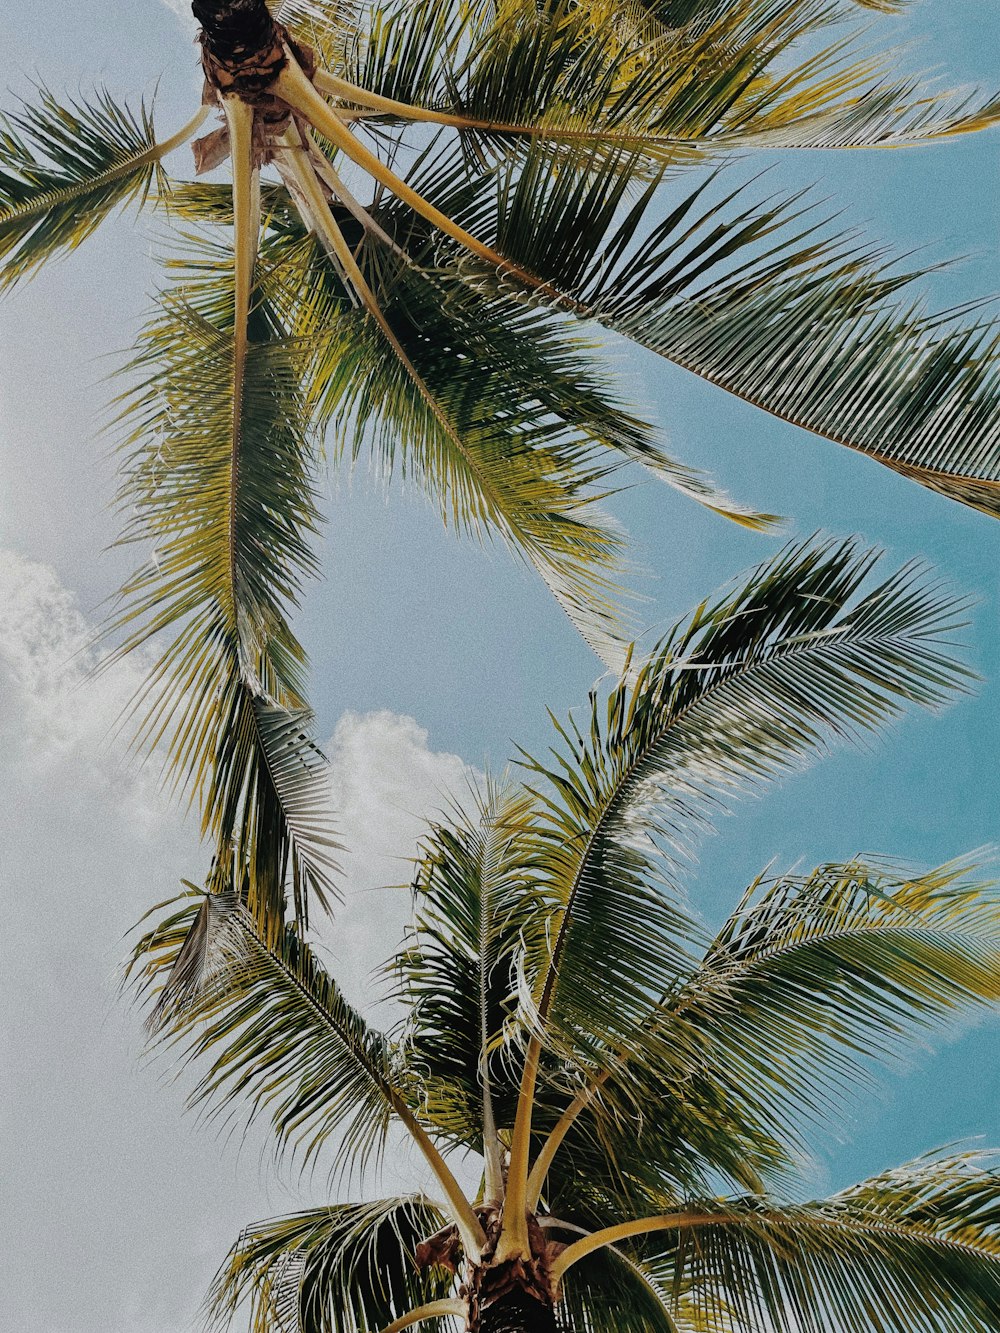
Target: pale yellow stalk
[
  {"x": 293, "y": 87},
  {"x": 642, "y": 1226},
  {"x": 435, "y": 1310}
]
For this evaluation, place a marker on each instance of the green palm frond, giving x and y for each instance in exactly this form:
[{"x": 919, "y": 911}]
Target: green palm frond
[
  {"x": 349, "y": 1268},
  {"x": 811, "y": 975},
  {"x": 64, "y": 168},
  {"x": 750, "y": 687},
  {"x": 228, "y": 510},
  {"x": 770, "y": 305},
  {"x": 273, "y": 1027},
  {"x": 727, "y": 76},
  {"x": 916, "y": 1250},
  {"x": 494, "y": 408}
]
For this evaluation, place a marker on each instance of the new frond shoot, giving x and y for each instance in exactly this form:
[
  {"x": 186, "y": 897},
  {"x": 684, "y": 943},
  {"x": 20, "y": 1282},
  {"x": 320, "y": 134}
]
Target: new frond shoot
[{"x": 637, "y": 1086}]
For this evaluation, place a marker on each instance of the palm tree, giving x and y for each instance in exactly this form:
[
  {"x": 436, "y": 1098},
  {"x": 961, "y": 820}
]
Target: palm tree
[
  {"x": 429, "y": 201},
  {"x": 637, "y": 1089}
]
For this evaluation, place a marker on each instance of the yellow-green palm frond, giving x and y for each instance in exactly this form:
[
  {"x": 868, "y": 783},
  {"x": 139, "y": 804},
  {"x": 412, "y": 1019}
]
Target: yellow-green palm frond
[
  {"x": 271, "y": 1026},
  {"x": 915, "y": 1248},
  {"x": 63, "y": 169},
  {"x": 225, "y": 501},
  {"x": 752, "y": 686},
  {"x": 766, "y": 302}
]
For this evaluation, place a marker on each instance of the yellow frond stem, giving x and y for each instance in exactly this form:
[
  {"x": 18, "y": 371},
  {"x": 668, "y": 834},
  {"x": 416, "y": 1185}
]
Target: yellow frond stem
[
  {"x": 544, "y": 1160},
  {"x": 435, "y": 1310},
  {"x": 293, "y": 87},
  {"x": 642, "y": 1226},
  {"x": 513, "y": 1243}
]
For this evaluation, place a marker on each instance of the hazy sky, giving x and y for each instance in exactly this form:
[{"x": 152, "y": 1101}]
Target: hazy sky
[{"x": 429, "y": 655}]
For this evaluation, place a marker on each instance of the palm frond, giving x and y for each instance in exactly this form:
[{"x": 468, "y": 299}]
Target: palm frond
[
  {"x": 349, "y": 1268},
  {"x": 609, "y": 1280},
  {"x": 747, "y": 689},
  {"x": 770, "y": 305},
  {"x": 225, "y": 500},
  {"x": 812, "y": 975},
  {"x": 276, "y": 1032},
  {"x": 456, "y": 973},
  {"x": 915, "y": 1249},
  {"x": 64, "y": 167}
]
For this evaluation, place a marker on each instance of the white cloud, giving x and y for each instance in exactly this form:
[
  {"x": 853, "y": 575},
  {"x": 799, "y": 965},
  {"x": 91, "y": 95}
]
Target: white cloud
[
  {"x": 97, "y": 1163},
  {"x": 182, "y": 8}
]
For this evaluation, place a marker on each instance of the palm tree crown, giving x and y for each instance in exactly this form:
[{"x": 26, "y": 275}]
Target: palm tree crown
[
  {"x": 429, "y": 201},
  {"x": 637, "y": 1087}
]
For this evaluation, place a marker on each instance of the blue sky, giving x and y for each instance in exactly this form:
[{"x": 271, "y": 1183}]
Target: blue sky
[{"x": 409, "y": 623}]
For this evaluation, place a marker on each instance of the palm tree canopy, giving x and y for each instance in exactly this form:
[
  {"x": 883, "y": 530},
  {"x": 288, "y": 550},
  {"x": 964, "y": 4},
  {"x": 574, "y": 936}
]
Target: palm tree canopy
[
  {"x": 640, "y": 1089},
  {"x": 435, "y": 212}
]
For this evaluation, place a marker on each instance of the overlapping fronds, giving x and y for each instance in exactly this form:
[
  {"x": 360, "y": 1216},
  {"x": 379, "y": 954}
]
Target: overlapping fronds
[
  {"x": 672, "y": 86},
  {"x": 811, "y": 976},
  {"x": 457, "y": 973},
  {"x": 345, "y": 1269},
  {"x": 770, "y": 305},
  {"x": 750, "y": 687},
  {"x": 63, "y": 169},
  {"x": 613, "y": 1280},
  {"x": 916, "y": 1250},
  {"x": 276, "y": 1034},
  {"x": 218, "y": 480},
  {"x": 493, "y": 408}
]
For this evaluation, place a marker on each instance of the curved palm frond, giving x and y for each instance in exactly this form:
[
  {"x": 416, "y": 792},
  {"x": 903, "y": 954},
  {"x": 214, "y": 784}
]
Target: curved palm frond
[
  {"x": 456, "y": 974},
  {"x": 280, "y": 1037},
  {"x": 349, "y": 1268},
  {"x": 277, "y": 1032},
  {"x": 747, "y": 689},
  {"x": 811, "y": 976},
  {"x": 594, "y": 77},
  {"x": 916, "y": 1250},
  {"x": 765, "y": 302},
  {"x": 65, "y": 167},
  {"x": 219, "y": 481}
]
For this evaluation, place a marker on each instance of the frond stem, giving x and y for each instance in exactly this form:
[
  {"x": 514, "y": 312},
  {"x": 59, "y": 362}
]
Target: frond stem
[
  {"x": 293, "y": 87},
  {"x": 434, "y": 1310},
  {"x": 246, "y": 231}
]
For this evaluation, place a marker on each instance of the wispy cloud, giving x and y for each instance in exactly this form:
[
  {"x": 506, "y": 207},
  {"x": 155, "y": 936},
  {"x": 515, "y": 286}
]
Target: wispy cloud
[{"x": 93, "y": 1146}]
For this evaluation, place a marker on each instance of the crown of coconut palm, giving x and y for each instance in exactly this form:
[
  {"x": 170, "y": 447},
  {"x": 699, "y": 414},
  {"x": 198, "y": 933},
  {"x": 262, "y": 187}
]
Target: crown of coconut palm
[
  {"x": 636, "y": 1087},
  {"x": 429, "y": 202}
]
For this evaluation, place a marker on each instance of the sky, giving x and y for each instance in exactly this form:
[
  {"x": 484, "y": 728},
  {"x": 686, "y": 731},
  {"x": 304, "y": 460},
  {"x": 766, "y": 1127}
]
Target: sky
[{"x": 430, "y": 658}]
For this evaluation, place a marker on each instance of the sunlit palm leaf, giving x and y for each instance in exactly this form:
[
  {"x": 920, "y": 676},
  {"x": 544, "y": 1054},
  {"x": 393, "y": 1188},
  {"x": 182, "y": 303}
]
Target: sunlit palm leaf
[
  {"x": 345, "y": 1269},
  {"x": 819, "y": 974},
  {"x": 63, "y": 169},
  {"x": 752, "y": 686},
  {"x": 765, "y": 302},
  {"x": 598, "y": 75},
  {"x": 229, "y": 520}
]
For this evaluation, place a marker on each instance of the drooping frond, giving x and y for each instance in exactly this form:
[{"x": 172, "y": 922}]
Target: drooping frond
[
  {"x": 768, "y": 304},
  {"x": 219, "y": 482},
  {"x": 276, "y": 1033},
  {"x": 916, "y": 1250},
  {"x": 492, "y": 407},
  {"x": 457, "y": 972},
  {"x": 610, "y": 1280},
  {"x": 673, "y": 87},
  {"x": 349, "y": 1268},
  {"x": 64, "y": 168}
]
